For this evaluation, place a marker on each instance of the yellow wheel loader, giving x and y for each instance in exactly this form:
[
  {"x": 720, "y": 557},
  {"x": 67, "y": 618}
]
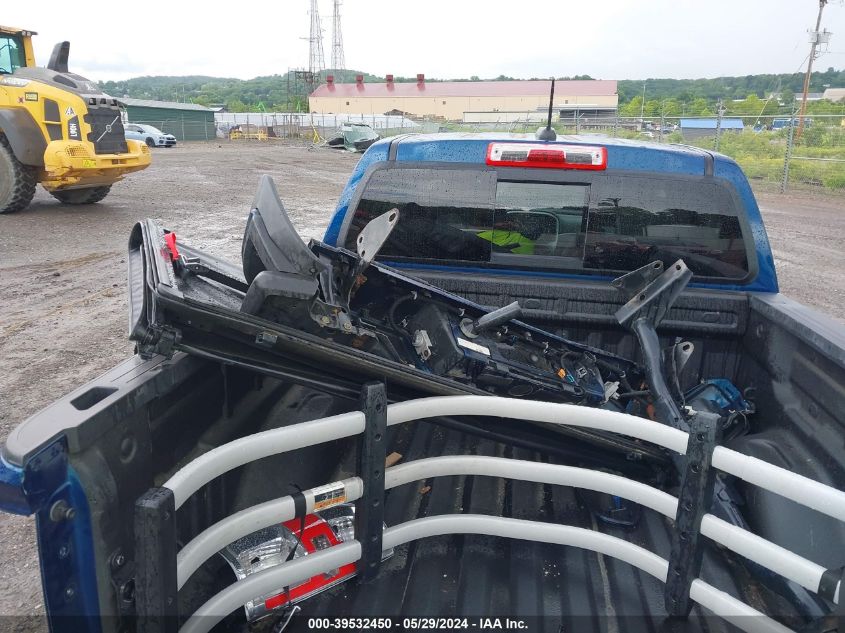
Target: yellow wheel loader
[{"x": 57, "y": 129}]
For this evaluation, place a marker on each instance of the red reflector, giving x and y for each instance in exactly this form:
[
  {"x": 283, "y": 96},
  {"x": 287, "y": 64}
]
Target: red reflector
[{"x": 547, "y": 155}]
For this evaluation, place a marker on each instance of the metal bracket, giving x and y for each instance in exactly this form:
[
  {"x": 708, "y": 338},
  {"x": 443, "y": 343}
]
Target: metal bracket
[
  {"x": 373, "y": 236},
  {"x": 840, "y": 606},
  {"x": 694, "y": 502},
  {"x": 159, "y": 340},
  {"x": 650, "y": 293},
  {"x": 369, "y": 242},
  {"x": 155, "y": 561},
  {"x": 169, "y": 338},
  {"x": 655, "y": 296},
  {"x": 369, "y": 509},
  {"x": 831, "y": 587},
  {"x": 123, "y": 582},
  {"x": 631, "y": 282},
  {"x": 681, "y": 353}
]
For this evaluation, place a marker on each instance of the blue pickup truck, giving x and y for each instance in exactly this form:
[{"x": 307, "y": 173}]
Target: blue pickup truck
[{"x": 551, "y": 384}]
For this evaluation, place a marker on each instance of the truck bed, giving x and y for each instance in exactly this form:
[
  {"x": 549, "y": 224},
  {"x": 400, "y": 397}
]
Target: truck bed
[{"x": 136, "y": 425}]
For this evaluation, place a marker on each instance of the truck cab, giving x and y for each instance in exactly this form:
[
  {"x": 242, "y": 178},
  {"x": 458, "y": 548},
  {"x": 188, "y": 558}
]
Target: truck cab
[
  {"x": 637, "y": 202},
  {"x": 580, "y": 225}
]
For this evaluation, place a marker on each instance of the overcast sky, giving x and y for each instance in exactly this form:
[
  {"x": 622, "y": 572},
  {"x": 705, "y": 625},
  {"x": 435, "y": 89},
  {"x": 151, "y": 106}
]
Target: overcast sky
[{"x": 607, "y": 39}]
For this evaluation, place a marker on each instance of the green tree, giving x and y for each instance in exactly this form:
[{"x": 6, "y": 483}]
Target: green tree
[
  {"x": 632, "y": 108},
  {"x": 700, "y": 107},
  {"x": 236, "y": 105},
  {"x": 652, "y": 108},
  {"x": 671, "y": 108}
]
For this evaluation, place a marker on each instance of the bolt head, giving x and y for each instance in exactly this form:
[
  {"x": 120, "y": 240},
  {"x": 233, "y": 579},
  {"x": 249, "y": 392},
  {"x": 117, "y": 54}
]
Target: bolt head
[
  {"x": 58, "y": 511},
  {"x": 69, "y": 593}
]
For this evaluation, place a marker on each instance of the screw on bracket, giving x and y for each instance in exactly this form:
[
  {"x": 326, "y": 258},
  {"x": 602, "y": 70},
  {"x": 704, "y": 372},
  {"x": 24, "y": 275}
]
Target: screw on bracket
[
  {"x": 118, "y": 560},
  {"x": 61, "y": 511}
]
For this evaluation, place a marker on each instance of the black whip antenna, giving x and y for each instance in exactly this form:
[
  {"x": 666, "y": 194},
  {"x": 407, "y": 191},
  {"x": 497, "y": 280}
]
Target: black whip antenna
[{"x": 547, "y": 133}]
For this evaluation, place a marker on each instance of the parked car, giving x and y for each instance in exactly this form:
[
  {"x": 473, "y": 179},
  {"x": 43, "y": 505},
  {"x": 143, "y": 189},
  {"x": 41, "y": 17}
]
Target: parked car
[{"x": 152, "y": 136}]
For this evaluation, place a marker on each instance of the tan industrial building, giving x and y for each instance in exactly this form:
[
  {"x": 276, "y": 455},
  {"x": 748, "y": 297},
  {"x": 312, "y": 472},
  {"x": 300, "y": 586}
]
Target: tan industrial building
[
  {"x": 833, "y": 94},
  {"x": 463, "y": 100}
]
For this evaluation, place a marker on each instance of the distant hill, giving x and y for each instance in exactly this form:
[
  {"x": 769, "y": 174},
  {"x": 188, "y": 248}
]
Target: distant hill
[
  {"x": 274, "y": 92},
  {"x": 283, "y": 92},
  {"x": 729, "y": 87}
]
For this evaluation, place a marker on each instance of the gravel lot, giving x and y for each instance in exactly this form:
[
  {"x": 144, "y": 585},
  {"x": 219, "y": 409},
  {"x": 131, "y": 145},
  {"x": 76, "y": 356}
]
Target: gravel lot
[{"x": 63, "y": 295}]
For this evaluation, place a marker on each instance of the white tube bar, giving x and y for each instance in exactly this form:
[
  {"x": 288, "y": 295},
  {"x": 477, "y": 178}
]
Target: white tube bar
[
  {"x": 804, "y": 491},
  {"x": 780, "y": 560},
  {"x": 719, "y": 602},
  {"x": 237, "y": 594},
  {"x": 555, "y": 474},
  {"x": 738, "y": 613},
  {"x": 536, "y": 411},
  {"x": 755, "y": 548},
  {"x": 216, "y": 537},
  {"x": 224, "y": 458},
  {"x": 527, "y": 531},
  {"x": 216, "y": 608}
]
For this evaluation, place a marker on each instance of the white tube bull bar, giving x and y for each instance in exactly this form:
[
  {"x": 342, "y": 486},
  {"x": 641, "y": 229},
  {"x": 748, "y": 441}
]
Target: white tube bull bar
[{"x": 193, "y": 476}]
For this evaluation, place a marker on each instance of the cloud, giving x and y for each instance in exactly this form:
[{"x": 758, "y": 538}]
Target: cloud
[{"x": 613, "y": 39}]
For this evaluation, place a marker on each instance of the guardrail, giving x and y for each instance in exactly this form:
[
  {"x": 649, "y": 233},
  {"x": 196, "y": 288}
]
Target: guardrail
[{"x": 161, "y": 572}]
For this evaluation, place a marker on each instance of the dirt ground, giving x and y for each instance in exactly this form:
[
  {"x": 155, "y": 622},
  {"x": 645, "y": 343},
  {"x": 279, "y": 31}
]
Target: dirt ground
[{"x": 63, "y": 278}]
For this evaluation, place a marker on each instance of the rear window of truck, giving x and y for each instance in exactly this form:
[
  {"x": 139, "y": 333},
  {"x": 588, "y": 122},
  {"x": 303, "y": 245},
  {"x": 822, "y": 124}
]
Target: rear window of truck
[{"x": 597, "y": 222}]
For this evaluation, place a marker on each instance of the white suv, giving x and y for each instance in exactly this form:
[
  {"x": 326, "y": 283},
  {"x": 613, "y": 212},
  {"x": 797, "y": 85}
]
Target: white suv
[{"x": 150, "y": 135}]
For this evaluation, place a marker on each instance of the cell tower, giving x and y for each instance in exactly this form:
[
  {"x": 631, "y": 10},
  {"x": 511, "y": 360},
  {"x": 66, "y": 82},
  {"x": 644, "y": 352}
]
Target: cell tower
[
  {"x": 316, "y": 60},
  {"x": 338, "y": 61}
]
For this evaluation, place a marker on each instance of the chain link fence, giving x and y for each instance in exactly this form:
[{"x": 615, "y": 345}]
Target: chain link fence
[
  {"x": 771, "y": 150},
  {"x": 311, "y": 126}
]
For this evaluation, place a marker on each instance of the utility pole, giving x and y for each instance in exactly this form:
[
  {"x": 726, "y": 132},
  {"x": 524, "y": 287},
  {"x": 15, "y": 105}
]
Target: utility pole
[
  {"x": 816, "y": 37},
  {"x": 719, "y": 112},
  {"x": 338, "y": 61},
  {"x": 642, "y": 108},
  {"x": 784, "y": 183}
]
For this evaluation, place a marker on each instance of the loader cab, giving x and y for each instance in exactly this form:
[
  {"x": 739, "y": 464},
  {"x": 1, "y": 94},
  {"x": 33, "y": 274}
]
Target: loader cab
[{"x": 15, "y": 50}]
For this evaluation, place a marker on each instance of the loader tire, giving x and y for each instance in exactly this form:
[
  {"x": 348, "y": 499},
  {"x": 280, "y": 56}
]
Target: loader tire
[
  {"x": 17, "y": 181},
  {"x": 89, "y": 195}
]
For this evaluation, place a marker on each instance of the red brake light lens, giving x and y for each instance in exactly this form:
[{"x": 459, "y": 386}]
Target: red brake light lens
[{"x": 547, "y": 155}]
